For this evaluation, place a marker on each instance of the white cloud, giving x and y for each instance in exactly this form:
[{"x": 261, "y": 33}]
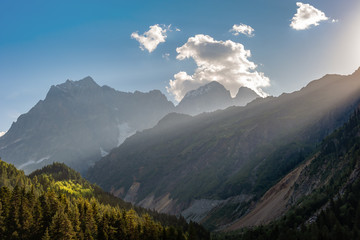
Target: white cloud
[
  {"x": 306, "y": 16},
  {"x": 242, "y": 28},
  {"x": 177, "y": 30},
  {"x": 335, "y": 20},
  {"x": 181, "y": 85},
  {"x": 166, "y": 56},
  {"x": 2, "y": 134},
  {"x": 223, "y": 61},
  {"x": 151, "y": 39}
]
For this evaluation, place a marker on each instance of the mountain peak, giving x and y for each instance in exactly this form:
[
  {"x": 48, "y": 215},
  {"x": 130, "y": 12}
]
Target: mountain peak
[
  {"x": 87, "y": 82},
  {"x": 71, "y": 86},
  {"x": 357, "y": 72},
  {"x": 244, "y": 96},
  {"x": 245, "y": 90},
  {"x": 207, "y": 98},
  {"x": 211, "y": 86}
]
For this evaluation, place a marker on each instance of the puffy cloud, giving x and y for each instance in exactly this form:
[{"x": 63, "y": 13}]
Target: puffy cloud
[
  {"x": 181, "y": 84},
  {"x": 242, "y": 28},
  {"x": 2, "y": 134},
  {"x": 151, "y": 39},
  {"x": 223, "y": 61},
  {"x": 306, "y": 16},
  {"x": 166, "y": 56}
]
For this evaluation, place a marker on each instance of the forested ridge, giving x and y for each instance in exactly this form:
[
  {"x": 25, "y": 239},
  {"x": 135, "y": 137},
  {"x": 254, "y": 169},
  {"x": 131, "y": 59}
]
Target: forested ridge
[
  {"x": 57, "y": 203},
  {"x": 331, "y": 211}
]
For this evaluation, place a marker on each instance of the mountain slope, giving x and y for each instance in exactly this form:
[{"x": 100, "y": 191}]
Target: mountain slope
[
  {"x": 274, "y": 203},
  {"x": 231, "y": 155},
  {"x": 322, "y": 202},
  {"x": 77, "y": 123}
]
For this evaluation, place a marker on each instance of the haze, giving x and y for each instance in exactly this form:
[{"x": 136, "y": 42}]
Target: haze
[{"x": 269, "y": 46}]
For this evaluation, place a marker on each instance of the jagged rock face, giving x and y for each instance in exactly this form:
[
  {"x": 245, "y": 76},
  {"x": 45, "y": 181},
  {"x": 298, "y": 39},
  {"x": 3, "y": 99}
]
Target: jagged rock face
[{"x": 78, "y": 123}]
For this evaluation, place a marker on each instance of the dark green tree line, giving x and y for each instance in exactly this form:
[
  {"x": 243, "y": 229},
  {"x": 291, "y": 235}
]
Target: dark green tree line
[{"x": 40, "y": 207}]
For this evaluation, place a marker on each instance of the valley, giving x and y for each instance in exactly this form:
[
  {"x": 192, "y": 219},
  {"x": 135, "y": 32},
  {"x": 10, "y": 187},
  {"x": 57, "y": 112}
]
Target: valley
[
  {"x": 229, "y": 169},
  {"x": 234, "y": 155},
  {"x": 180, "y": 120}
]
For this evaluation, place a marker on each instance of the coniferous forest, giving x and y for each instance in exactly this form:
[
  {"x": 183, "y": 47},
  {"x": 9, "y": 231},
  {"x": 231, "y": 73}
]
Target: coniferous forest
[{"x": 56, "y": 203}]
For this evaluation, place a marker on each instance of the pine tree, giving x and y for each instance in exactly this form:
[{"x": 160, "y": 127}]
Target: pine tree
[
  {"x": 13, "y": 222},
  {"x": 74, "y": 217},
  {"x": 88, "y": 224},
  {"x": 61, "y": 227},
  {"x": 46, "y": 235},
  {"x": 2, "y": 223},
  {"x": 26, "y": 214}
]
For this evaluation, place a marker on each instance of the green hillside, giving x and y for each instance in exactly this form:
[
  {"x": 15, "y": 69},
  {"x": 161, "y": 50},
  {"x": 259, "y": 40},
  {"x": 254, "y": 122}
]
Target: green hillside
[{"x": 56, "y": 203}]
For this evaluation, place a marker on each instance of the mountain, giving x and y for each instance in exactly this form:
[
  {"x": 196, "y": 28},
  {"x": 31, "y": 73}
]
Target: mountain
[
  {"x": 79, "y": 122},
  {"x": 211, "y": 97},
  {"x": 244, "y": 96},
  {"x": 57, "y": 203},
  {"x": 210, "y": 167},
  {"x": 207, "y": 98},
  {"x": 319, "y": 199}
]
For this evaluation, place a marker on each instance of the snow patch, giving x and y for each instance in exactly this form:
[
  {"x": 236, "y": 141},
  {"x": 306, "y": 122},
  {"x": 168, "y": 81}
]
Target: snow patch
[
  {"x": 103, "y": 153},
  {"x": 16, "y": 141},
  {"x": 125, "y": 131},
  {"x": 30, "y": 162},
  {"x": 2, "y": 134}
]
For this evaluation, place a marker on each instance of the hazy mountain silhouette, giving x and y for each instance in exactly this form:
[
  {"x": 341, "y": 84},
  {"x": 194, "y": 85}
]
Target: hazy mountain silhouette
[
  {"x": 78, "y": 122},
  {"x": 213, "y": 96}
]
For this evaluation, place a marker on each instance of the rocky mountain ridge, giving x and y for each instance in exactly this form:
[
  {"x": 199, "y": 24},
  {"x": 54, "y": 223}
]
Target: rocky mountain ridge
[
  {"x": 233, "y": 155},
  {"x": 213, "y": 96},
  {"x": 78, "y": 122}
]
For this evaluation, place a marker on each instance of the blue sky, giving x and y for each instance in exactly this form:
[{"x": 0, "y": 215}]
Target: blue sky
[{"x": 44, "y": 43}]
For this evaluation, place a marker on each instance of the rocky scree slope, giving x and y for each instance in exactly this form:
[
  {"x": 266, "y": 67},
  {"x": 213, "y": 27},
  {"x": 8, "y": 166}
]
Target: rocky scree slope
[{"x": 319, "y": 199}]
